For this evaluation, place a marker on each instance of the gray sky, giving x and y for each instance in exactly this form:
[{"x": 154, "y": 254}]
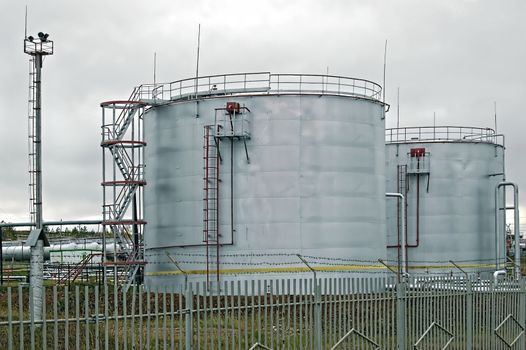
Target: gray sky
[{"x": 451, "y": 57}]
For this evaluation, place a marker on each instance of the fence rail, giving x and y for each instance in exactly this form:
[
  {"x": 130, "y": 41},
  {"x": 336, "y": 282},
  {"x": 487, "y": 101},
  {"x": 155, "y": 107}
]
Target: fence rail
[
  {"x": 259, "y": 83},
  {"x": 331, "y": 313},
  {"x": 443, "y": 134}
]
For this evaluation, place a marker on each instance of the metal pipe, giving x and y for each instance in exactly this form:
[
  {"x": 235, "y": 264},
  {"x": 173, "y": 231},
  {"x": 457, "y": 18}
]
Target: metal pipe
[
  {"x": 185, "y": 274},
  {"x": 397, "y": 245},
  {"x": 496, "y": 276},
  {"x": 417, "y": 210},
  {"x": 516, "y": 225},
  {"x": 21, "y": 252},
  {"x": 461, "y": 269},
  {"x": 417, "y": 239},
  {"x": 417, "y": 220},
  {"x": 402, "y": 244},
  {"x": 218, "y": 235},
  {"x": 232, "y": 189},
  {"x": 497, "y": 209},
  {"x": 308, "y": 266},
  {"x": 52, "y": 223},
  {"x": 387, "y": 266}
]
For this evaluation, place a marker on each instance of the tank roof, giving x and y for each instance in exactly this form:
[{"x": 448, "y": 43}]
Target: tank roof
[
  {"x": 259, "y": 83},
  {"x": 464, "y": 134}
]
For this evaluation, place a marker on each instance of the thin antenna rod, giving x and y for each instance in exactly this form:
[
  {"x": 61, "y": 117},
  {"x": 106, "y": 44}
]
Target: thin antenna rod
[
  {"x": 434, "y": 125},
  {"x": 385, "y": 64},
  {"x": 495, "y": 108},
  {"x": 197, "y": 63},
  {"x": 198, "y": 47},
  {"x": 25, "y": 25},
  {"x": 325, "y": 81},
  {"x": 154, "y": 68},
  {"x": 398, "y": 108}
]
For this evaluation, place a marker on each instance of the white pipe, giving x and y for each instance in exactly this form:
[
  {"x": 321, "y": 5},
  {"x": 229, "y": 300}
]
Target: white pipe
[
  {"x": 21, "y": 252},
  {"x": 496, "y": 276},
  {"x": 402, "y": 242},
  {"x": 516, "y": 227},
  {"x": 52, "y": 223}
]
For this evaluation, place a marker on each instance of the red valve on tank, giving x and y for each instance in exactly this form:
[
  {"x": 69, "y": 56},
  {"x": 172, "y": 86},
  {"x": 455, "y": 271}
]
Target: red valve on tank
[
  {"x": 232, "y": 107},
  {"x": 417, "y": 152}
]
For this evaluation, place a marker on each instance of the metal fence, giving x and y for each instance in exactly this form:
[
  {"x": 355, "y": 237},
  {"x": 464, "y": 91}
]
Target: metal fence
[{"x": 329, "y": 313}]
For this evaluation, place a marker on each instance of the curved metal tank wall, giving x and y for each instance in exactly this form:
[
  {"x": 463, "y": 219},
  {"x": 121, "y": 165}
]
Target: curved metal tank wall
[
  {"x": 450, "y": 199},
  {"x": 314, "y": 185}
]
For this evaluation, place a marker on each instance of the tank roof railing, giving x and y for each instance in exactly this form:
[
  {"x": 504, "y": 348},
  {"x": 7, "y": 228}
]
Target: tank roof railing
[
  {"x": 260, "y": 83},
  {"x": 442, "y": 134}
]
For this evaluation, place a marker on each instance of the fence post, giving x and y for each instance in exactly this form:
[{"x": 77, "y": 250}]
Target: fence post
[
  {"x": 522, "y": 303},
  {"x": 188, "y": 317},
  {"x": 400, "y": 314},
  {"x": 317, "y": 314},
  {"x": 317, "y": 301},
  {"x": 469, "y": 314}
]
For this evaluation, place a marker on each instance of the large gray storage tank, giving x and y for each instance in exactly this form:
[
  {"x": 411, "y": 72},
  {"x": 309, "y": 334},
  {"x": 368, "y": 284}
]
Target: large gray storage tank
[
  {"x": 448, "y": 175},
  {"x": 296, "y": 162}
]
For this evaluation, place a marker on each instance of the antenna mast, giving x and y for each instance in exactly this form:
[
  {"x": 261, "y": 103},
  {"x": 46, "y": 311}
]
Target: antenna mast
[
  {"x": 36, "y": 48},
  {"x": 198, "y": 47},
  {"x": 495, "y": 108},
  {"x": 398, "y": 108},
  {"x": 197, "y": 63},
  {"x": 25, "y": 25},
  {"x": 385, "y": 64},
  {"x": 155, "y": 70}
]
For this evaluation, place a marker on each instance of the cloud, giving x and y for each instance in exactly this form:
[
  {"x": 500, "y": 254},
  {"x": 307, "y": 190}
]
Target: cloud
[{"x": 448, "y": 57}]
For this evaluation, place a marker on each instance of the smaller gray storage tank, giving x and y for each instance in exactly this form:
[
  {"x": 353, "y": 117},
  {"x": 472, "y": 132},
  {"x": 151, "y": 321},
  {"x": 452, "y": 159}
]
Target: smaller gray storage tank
[{"x": 448, "y": 175}]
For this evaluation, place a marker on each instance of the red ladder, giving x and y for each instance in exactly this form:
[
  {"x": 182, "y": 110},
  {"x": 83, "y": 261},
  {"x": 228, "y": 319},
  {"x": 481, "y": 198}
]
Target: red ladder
[{"x": 211, "y": 200}]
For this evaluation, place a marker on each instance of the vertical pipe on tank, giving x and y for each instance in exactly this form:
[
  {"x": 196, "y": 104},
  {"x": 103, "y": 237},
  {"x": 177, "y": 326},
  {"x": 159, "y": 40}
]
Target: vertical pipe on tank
[
  {"x": 497, "y": 212},
  {"x": 417, "y": 228},
  {"x": 417, "y": 210},
  {"x": 232, "y": 191},
  {"x": 398, "y": 221},
  {"x": 403, "y": 244},
  {"x": 218, "y": 161},
  {"x": 516, "y": 227},
  {"x": 205, "y": 223},
  {"x": 403, "y": 231}
]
